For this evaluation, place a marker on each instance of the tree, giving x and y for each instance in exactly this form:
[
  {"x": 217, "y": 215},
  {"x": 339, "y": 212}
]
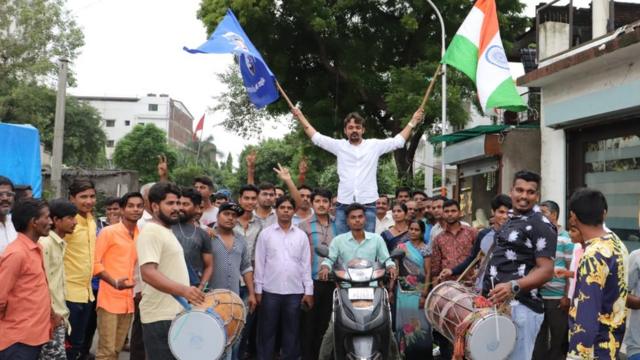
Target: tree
[
  {"x": 242, "y": 116},
  {"x": 34, "y": 34},
  {"x": 375, "y": 57},
  {"x": 228, "y": 165},
  {"x": 84, "y": 139},
  {"x": 139, "y": 151}
]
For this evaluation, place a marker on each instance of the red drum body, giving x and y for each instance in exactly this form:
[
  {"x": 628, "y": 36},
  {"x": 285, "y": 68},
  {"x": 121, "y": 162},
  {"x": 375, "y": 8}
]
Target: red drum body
[{"x": 487, "y": 335}]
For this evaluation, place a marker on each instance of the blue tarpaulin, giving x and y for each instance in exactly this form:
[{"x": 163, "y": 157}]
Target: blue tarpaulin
[{"x": 20, "y": 155}]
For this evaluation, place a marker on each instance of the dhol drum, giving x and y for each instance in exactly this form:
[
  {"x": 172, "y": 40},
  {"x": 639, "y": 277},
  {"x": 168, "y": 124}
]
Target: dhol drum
[
  {"x": 231, "y": 309},
  {"x": 197, "y": 334},
  {"x": 451, "y": 310}
]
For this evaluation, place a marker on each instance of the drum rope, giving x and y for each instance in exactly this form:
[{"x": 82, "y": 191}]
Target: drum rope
[{"x": 480, "y": 302}]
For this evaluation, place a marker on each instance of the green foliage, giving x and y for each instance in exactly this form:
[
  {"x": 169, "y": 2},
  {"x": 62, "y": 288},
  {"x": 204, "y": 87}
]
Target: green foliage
[
  {"x": 242, "y": 117},
  {"x": 190, "y": 164},
  {"x": 84, "y": 139},
  {"x": 34, "y": 34},
  {"x": 183, "y": 175},
  {"x": 329, "y": 178},
  {"x": 375, "y": 57},
  {"x": 139, "y": 150}
]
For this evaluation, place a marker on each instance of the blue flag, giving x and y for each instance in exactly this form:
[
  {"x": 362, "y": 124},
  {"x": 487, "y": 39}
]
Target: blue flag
[{"x": 256, "y": 75}]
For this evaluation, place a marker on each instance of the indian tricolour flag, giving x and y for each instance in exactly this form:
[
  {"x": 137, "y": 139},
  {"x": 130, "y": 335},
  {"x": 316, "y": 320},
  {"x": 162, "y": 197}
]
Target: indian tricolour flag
[{"x": 477, "y": 51}]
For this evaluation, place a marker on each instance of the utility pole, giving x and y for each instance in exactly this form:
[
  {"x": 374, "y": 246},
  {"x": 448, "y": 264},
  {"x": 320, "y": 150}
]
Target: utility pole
[
  {"x": 443, "y": 50},
  {"x": 58, "y": 129}
]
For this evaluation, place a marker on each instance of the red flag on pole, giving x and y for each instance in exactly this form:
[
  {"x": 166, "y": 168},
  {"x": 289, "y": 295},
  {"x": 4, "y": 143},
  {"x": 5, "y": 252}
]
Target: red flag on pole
[{"x": 199, "y": 127}]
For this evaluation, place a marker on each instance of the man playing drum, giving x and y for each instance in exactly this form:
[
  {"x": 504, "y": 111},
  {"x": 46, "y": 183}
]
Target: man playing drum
[
  {"x": 164, "y": 271},
  {"x": 522, "y": 261}
]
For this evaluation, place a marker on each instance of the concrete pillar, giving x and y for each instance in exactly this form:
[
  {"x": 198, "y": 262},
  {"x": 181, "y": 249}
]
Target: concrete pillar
[
  {"x": 599, "y": 17},
  {"x": 553, "y": 38},
  {"x": 429, "y": 163},
  {"x": 553, "y": 159}
]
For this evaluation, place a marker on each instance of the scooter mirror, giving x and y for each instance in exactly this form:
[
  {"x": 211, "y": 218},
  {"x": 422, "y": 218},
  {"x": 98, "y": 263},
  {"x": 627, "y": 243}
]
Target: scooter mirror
[{"x": 322, "y": 250}]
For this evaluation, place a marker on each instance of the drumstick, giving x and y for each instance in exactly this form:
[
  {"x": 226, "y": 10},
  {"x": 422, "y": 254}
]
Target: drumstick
[
  {"x": 495, "y": 309},
  {"x": 473, "y": 263}
]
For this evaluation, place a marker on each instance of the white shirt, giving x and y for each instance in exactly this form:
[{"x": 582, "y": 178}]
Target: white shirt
[
  {"x": 209, "y": 216},
  {"x": 7, "y": 233},
  {"x": 358, "y": 165},
  {"x": 146, "y": 217},
  {"x": 283, "y": 261},
  {"x": 384, "y": 224}
]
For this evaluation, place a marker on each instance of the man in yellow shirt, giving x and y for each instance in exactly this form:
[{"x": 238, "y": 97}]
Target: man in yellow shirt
[
  {"x": 63, "y": 215},
  {"x": 114, "y": 264},
  {"x": 78, "y": 264}
]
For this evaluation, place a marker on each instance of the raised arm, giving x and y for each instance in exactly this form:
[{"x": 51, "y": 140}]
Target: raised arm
[
  {"x": 163, "y": 168},
  {"x": 416, "y": 119},
  {"x": 285, "y": 176},
  {"x": 251, "y": 167},
  {"x": 306, "y": 126},
  {"x": 302, "y": 170}
]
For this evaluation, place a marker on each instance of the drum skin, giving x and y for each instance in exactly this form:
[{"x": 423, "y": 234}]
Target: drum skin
[
  {"x": 231, "y": 309},
  {"x": 197, "y": 334},
  {"x": 490, "y": 335}
]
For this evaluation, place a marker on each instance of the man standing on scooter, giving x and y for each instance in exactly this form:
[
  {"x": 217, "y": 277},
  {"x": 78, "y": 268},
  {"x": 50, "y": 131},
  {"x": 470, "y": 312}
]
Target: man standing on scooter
[{"x": 347, "y": 246}]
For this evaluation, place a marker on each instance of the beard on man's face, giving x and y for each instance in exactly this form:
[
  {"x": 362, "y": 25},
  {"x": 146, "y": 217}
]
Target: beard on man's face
[
  {"x": 184, "y": 217},
  {"x": 168, "y": 219}
]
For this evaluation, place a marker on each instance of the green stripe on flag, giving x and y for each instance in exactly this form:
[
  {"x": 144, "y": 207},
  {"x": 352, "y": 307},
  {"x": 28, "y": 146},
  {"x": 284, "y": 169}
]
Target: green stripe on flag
[
  {"x": 463, "y": 55},
  {"x": 505, "y": 96}
]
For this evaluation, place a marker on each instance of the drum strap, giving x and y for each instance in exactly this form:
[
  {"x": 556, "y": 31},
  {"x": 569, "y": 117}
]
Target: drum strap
[{"x": 462, "y": 329}]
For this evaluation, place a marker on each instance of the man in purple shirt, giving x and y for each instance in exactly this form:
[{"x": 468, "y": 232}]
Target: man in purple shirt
[{"x": 283, "y": 282}]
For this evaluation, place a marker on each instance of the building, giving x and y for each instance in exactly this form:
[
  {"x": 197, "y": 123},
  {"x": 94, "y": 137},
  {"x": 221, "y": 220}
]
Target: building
[
  {"x": 121, "y": 114},
  {"x": 590, "y": 111},
  {"x": 482, "y": 157}
]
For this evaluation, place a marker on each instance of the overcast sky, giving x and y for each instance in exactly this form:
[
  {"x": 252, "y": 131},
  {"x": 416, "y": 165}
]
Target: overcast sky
[{"x": 134, "y": 47}]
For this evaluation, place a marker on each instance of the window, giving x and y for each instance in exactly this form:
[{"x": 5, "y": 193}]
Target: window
[
  {"x": 141, "y": 123},
  {"x": 110, "y": 143},
  {"x": 607, "y": 158},
  {"x": 110, "y": 123},
  {"x": 127, "y": 122},
  {"x": 153, "y": 107}
]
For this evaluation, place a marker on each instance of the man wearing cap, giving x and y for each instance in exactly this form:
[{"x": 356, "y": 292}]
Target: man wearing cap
[{"x": 231, "y": 258}]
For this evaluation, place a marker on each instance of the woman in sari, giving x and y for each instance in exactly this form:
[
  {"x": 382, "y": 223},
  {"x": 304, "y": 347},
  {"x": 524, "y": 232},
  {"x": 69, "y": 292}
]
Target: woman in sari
[
  {"x": 413, "y": 332},
  {"x": 398, "y": 232}
]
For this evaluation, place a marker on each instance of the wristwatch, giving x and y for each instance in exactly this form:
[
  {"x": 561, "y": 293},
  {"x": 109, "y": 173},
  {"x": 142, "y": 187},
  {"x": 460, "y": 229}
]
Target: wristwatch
[{"x": 515, "y": 288}]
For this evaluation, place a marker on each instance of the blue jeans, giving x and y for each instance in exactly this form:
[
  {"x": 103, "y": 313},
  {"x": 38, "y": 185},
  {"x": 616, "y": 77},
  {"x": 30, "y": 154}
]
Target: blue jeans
[
  {"x": 79, "y": 316},
  {"x": 20, "y": 351},
  {"x": 634, "y": 357},
  {"x": 341, "y": 218},
  {"x": 528, "y": 324}
]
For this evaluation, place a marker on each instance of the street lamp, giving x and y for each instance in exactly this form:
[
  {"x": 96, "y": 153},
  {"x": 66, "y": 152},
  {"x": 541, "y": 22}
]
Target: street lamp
[{"x": 444, "y": 94}]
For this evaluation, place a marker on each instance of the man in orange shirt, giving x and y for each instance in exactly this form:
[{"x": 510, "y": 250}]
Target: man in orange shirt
[
  {"x": 25, "y": 306},
  {"x": 115, "y": 260}
]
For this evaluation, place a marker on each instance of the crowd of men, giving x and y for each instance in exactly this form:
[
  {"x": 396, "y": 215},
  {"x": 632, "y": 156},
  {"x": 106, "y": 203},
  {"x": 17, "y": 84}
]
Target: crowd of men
[{"x": 67, "y": 275}]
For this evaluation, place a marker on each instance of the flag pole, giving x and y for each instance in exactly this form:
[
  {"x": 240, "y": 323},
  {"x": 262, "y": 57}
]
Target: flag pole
[
  {"x": 431, "y": 84},
  {"x": 284, "y": 95},
  {"x": 200, "y": 141}
]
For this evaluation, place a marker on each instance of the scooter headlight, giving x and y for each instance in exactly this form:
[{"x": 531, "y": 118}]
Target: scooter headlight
[{"x": 360, "y": 275}]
